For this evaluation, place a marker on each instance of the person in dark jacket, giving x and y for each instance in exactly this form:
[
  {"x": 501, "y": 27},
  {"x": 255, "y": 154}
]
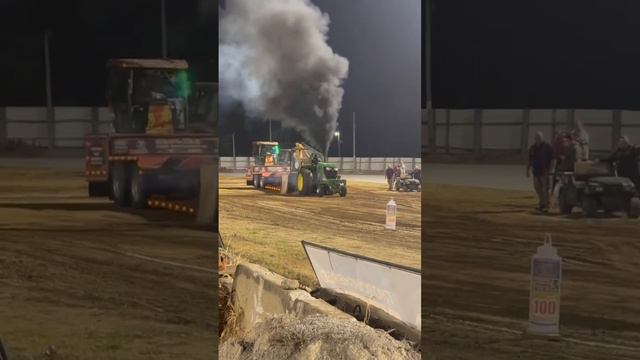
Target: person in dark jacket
[
  {"x": 625, "y": 157},
  {"x": 388, "y": 174},
  {"x": 541, "y": 161},
  {"x": 417, "y": 173}
]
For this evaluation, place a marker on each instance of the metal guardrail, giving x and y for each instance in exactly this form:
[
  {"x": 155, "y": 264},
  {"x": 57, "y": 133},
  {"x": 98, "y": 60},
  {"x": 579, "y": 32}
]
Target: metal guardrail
[
  {"x": 362, "y": 163},
  {"x": 16, "y": 122},
  {"x": 439, "y": 137}
]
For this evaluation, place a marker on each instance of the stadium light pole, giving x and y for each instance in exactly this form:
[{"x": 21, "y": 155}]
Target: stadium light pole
[
  {"x": 429, "y": 114},
  {"x": 233, "y": 145},
  {"x": 50, "y": 112},
  {"x": 163, "y": 22},
  {"x": 354, "y": 141},
  {"x": 337, "y": 135}
]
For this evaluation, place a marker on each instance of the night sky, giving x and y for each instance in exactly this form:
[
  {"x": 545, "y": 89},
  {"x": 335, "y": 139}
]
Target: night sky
[
  {"x": 538, "y": 54},
  {"x": 85, "y": 33},
  {"x": 381, "y": 40}
]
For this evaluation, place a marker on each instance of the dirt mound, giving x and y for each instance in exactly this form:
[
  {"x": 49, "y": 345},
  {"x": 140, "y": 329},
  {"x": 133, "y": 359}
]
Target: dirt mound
[{"x": 315, "y": 337}]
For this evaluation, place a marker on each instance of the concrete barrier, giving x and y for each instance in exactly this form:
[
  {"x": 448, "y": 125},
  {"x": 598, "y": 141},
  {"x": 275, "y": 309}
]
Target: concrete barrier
[
  {"x": 258, "y": 292},
  {"x": 208, "y": 197},
  {"x": 284, "y": 184},
  {"x": 375, "y": 317}
]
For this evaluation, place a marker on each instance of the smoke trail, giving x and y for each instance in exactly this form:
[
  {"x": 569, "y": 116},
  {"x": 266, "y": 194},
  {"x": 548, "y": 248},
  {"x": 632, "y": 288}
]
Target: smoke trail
[{"x": 274, "y": 58}]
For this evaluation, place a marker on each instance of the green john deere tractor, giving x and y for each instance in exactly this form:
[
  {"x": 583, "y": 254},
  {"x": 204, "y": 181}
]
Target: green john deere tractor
[{"x": 313, "y": 176}]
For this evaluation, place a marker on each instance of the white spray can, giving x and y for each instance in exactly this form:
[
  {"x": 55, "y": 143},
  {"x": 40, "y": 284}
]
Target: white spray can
[
  {"x": 391, "y": 215},
  {"x": 544, "y": 296}
]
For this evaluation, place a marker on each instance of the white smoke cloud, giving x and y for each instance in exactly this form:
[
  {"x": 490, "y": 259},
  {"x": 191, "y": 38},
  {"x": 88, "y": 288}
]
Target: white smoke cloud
[{"x": 274, "y": 59}]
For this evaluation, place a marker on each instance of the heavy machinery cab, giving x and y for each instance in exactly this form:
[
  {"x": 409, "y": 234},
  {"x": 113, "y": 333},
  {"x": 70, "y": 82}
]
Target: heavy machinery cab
[
  {"x": 148, "y": 95},
  {"x": 155, "y": 151},
  {"x": 266, "y": 153}
]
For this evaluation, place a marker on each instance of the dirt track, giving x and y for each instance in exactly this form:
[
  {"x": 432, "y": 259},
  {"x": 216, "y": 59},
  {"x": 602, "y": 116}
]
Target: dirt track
[
  {"x": 476, "y": 279},
  {"x": 80, "y": 275},
  {"x": 267, "y": 228}
]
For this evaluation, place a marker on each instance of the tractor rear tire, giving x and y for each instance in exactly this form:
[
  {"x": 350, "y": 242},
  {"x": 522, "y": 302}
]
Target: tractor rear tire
[
  {"x": 590, "y": 206},
  {"x": 256, "y": 181},
  {"x": 343, "y": 191},
  {"x": 292, "y": 183},
  {"x": 98, "y": 188},
  {"x": 139, "y": 189},
  {"x": 304, "y": 183},
  {"x": 563, "y": 202},
  {"x": 120, "y": 183}
]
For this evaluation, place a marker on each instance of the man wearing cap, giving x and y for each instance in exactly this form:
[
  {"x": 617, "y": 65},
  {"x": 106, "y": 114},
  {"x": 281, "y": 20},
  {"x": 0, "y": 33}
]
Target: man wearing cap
[
  {"x": 541, "y": 162},
  {"x": 388, "y": 174},
  {"x": 625, "y": 157}
]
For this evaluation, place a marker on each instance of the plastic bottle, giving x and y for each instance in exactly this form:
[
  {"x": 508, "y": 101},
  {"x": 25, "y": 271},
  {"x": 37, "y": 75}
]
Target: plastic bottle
[
  {"x": 391, "y": 215},
  {"x": 544, "y": 296}
]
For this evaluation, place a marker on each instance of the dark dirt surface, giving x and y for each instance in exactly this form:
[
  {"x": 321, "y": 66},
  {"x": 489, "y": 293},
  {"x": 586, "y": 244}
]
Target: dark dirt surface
[
  {"x": 475, "y": 282},
  {"x": 87, "y": 280},
  {"x": 266, "y": 228}
]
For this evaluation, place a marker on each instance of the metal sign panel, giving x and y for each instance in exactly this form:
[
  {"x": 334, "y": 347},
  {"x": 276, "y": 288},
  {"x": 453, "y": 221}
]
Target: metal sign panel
[{"x": 391, "y": 287}]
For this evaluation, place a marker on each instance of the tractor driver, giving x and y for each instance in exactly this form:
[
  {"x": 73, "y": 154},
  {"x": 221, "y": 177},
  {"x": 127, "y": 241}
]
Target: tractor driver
[
  {"x": 268, "y": 159},
  {"x": 314, "y": 165}
]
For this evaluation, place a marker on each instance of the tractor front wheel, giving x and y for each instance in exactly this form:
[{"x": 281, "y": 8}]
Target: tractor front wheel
[
  {"x": 564, "y": 202},
  {"x": 634, "y": 208},
  {"x": 343, "y": 191},
  {"x": 120, "y": 183},
  {"x": 590, "y": 206}
]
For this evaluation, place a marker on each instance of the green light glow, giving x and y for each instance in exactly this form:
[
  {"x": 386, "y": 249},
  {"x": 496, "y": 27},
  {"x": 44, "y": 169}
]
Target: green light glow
[{"x": 184, "y": 84}]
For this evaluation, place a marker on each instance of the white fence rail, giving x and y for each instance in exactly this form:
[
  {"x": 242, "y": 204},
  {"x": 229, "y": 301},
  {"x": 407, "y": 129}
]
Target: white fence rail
[
  {"x": 474, "y": 130},
  {"x": 65, "y": 129},
  {"x": 377, "y": 164}
]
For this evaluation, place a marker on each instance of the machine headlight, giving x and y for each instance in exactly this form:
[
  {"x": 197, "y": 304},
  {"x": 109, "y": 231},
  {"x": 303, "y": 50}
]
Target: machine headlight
[
  {"x": 628, "y": 186},
  {"x": 596, "y": 188}
]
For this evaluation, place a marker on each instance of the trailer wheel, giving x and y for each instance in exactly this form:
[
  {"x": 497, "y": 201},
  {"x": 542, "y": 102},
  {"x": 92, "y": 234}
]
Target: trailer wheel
[
  {"x": 564, "y": 202},
  {"x": 634, "y": 208},
  {"x": 120, "y": 183},
  {"x": 291, "y": 183},
  {"x": 98, "y": 188},
  {"x": 139, "y": 189},
  {"x": 590, "y": 206},
  {"x": 343, "y": 191}
]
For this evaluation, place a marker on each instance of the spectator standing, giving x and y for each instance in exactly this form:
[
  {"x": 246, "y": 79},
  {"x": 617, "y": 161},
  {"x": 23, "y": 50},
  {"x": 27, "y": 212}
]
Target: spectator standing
[{"x": 540, "y": 163}]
